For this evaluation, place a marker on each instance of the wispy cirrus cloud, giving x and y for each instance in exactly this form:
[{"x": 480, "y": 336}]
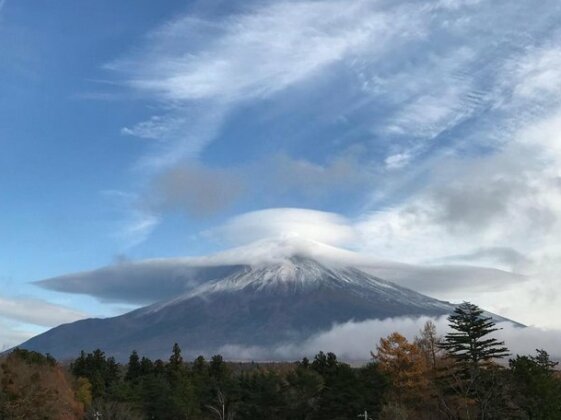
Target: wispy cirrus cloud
[
  {"x": 136, "y": 221},
  {"x": 415, "y": 70},
  {"x": 257, "y": 53},
  {"x": 197, "y": 66}
]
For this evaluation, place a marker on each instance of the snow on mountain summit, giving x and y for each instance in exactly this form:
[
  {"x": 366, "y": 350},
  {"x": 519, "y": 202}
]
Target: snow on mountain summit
[{"x": 297, "y": 275}]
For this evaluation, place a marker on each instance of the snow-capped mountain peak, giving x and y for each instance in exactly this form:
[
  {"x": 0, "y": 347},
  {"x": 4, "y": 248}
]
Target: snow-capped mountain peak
[{"x": 300, "y": 275}]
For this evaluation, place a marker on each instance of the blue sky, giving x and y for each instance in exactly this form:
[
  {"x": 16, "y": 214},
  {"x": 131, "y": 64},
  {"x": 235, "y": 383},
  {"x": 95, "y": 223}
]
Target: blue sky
[{"x": 141, "y": 129}]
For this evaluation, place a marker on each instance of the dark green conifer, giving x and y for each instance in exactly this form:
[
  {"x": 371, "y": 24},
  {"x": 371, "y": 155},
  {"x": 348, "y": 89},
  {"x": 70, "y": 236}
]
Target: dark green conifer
[
  {"x": 133, "y": 368},
  {"x": 469, "y": 342}
]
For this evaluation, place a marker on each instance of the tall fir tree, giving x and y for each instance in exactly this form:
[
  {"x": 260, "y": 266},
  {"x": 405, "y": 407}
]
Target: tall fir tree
[
  {"x": 133, "y": 368},
  {"x": 469, "y": 343},
  {"x": 473, "y": 377},
  {"x": 176, "y": 360}
]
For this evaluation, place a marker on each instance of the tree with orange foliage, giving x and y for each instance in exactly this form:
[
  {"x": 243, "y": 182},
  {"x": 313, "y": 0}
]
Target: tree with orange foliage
[
  {"x": 36, "y": 387},
  {"x": 406, "y": 366}
]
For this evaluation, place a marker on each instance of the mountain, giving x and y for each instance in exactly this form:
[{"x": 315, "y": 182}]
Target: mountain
[{"x": 263, "y": 305}]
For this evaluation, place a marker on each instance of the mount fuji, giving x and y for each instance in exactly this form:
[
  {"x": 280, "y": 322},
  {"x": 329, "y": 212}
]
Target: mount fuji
[{"x": 284, "y": 298}]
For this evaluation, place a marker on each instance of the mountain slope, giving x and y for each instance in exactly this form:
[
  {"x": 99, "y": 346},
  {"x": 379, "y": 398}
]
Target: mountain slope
[{"x": 264, "y": 305}]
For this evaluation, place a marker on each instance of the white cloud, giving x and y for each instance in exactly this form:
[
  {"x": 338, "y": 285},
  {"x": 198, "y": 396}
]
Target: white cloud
[
  {"x": 353, "y": 341},
  {"x": 329, "y": 228},
  {"x": 11, "y": 335},
  {"x": 201, "y": 69},
  {"x": 538, "y": 73},
  {"x": 156, "y": 128},
  {"x": 419, "y": 67},
  {"x": 136, "y": 222},
  {"x": 37, "y": 312},
  {"x": 257, "y": 53},
  {"x": 141, "y": 225},
  {"x": 398, "y": 160},
  {"x": 510, "y": 198}
]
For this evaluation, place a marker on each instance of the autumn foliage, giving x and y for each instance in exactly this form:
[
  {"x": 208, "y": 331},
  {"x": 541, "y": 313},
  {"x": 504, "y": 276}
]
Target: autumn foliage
[
  {"x": 34, "y": 386},
  {"x": 404, "y": 363}
]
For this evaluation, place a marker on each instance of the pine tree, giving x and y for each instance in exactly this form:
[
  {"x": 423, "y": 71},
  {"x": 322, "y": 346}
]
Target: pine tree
[
  {"x": 469, "y": 344},
  {"x": 472, "y": 377},
  {"x": 146, "y": 366},
  {"x": 133, "y": 368},
  {"x": 176, "y": 360},
  {"x": 218, "y": 369},
  {"x": 538, "y": 389}
]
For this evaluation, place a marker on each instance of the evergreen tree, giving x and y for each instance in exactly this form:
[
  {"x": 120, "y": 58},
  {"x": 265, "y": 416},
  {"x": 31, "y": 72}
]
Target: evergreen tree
[
  {"x": 183, "y": 402},
  {"x": 472, "y": 376},
  {"x": 159, "y": 367},
  {"x": 304, "y": 386},
  {"x": 175, "y": 360},
  {"x": 156, "y": 398},
  {"x": 102, "y": 372},
  {"x": 200, "y": 366},
  {"x": 469, "y": 344},
  {"x": 146, "y": 366},
  {"x": 537, "y": 386},
  {"x": 218, "y": 369},
  {"x": 342, "y": 395},
  {"x": 324, "y": 363},
  {"x": 305, "y": 363},
  {"x": 261, "y": 395},
  {"x": 133, "y": 368}
]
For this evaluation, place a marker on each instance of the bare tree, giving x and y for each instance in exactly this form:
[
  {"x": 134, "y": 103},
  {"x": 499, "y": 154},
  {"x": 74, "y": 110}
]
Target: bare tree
[{"x": 221, "y": 410}]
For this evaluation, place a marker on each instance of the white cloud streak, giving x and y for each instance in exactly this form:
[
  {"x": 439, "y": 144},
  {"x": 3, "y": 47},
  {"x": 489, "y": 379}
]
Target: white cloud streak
[
  {"x": 37, "y": 312},
  {"x": 258, "y": 53},
  {"x": 11, "y": 335},
  {"x": 136, "y": 222},
  {"x": 353, "y": 341}
]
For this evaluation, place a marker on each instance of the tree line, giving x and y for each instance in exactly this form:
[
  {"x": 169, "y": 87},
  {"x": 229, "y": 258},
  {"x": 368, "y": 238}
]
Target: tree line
[{"x": 465, "y": 374}]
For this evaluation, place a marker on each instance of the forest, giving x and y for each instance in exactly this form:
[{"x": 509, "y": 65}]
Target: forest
[{"x": 464, "y": 374}]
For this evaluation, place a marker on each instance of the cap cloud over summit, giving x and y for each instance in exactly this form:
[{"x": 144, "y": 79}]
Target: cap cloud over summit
[{"x": 149, "y": 281}]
